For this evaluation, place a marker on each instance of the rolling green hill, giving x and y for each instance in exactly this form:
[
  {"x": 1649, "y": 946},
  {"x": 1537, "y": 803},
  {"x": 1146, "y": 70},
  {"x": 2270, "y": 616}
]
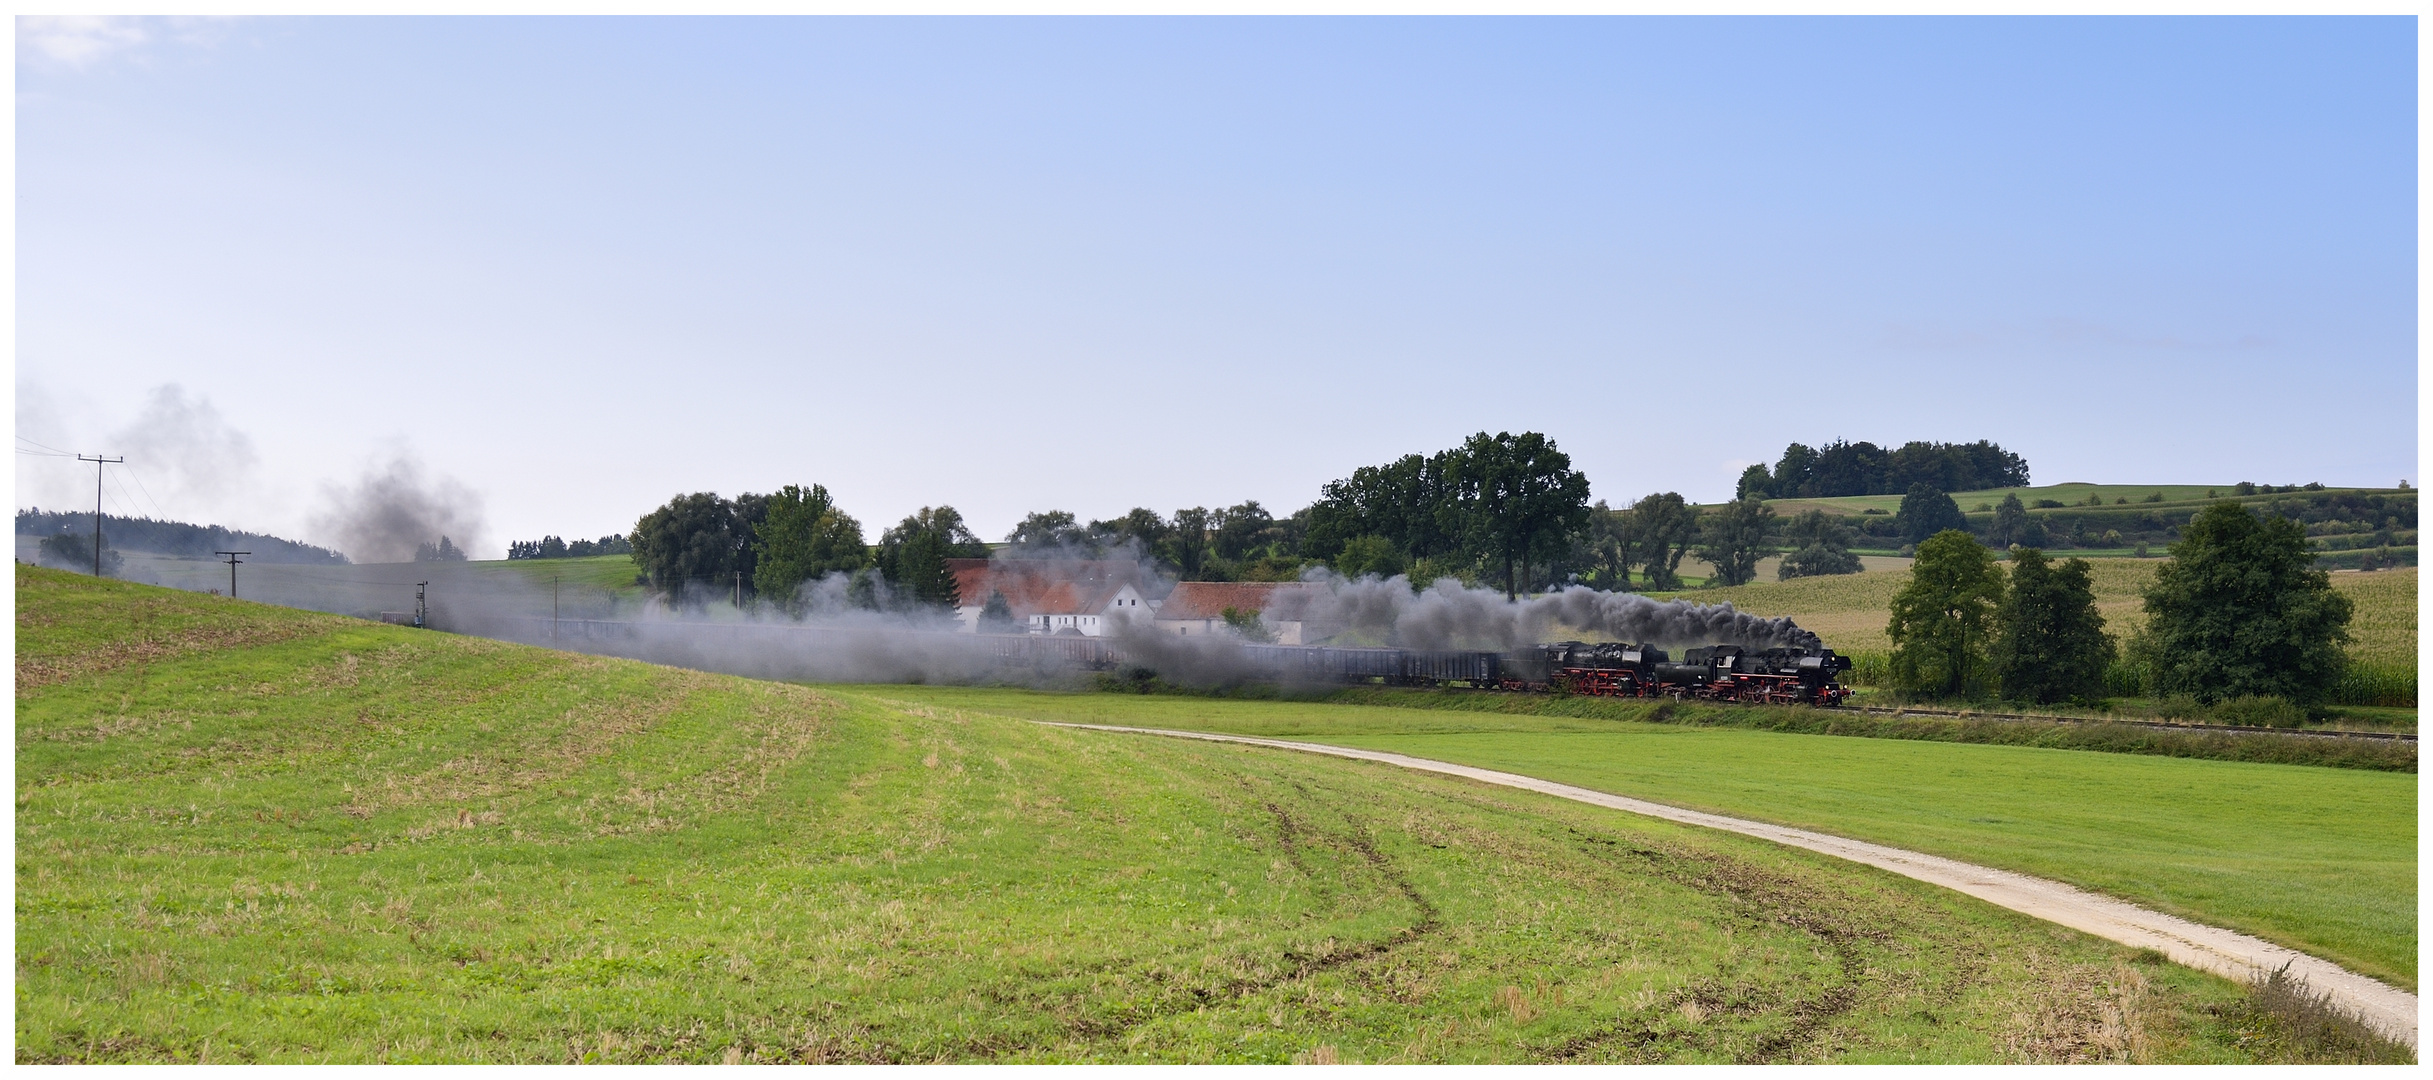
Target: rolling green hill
[{"x": 246, "y": 833}]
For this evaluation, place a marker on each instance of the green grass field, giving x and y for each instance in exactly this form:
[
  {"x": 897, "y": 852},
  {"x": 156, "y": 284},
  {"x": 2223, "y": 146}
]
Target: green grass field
[
  {"x": 252, "y": 834},
  {"x": 2322, "y": 860},
  {"x": 613, "y": 573},
  {"x": 2190, "y": 496}
]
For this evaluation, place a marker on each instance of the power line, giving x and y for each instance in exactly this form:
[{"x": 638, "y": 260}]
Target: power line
[
  {"x": 156, "y": 503},
  {"x": 46, "y": 446},
  {"x": 127, "y": 499}
]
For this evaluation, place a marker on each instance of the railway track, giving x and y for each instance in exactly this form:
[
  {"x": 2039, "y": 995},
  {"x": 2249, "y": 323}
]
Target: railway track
[
  {"x": 1908, "y": 710},
  {"x": 776, "y": 650}
]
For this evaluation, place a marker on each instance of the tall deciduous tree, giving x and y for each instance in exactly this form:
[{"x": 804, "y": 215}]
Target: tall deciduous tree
[
  {"x": 1142, "y": 526},
  {"x": 1654, "y": 534},
  {"x": 2052, "y": 645},
  {"x": 1046, "y": 532},
  {"x": 1241, "y": 529},
  {"x": 696, "y": 537},
  {"x": 913, "y": 555},
  {"x": 1187, "y": 541},
  {"x": 1409, "y": 502},
  {"x": 804, "y": 538},
  {"x": 1735, "y": 539},
  {"x": 1943, "y": 620},
  {"x": 2010, "y": 522},
  {"x": 2241, "y": 610},
  {"x": 1520, "y": 497}
]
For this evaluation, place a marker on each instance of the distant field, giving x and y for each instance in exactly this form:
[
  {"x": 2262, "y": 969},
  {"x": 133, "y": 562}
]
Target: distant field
[
  {"x": 1850, "y": 611},
  {"x": 2323, "y": 860},
  {"x": 612, "y": 574},
  {"x": 2067, "y": 494},
  {"x": 246, "y": 833}
]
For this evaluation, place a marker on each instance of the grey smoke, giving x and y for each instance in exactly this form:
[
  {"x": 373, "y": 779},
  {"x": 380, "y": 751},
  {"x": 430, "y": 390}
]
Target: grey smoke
[
  {"x": 1448, "y": 615},
  {"x": 394, "y": 508},
  {"x": 188, "y": 452},
  {"x": 829, "y": 637}
]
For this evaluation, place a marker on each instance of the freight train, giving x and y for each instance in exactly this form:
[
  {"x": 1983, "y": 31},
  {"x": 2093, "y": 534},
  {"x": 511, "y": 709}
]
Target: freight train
[
  {"x": 1787, "y": 676},
  {"x": 1791, "y": 676}
]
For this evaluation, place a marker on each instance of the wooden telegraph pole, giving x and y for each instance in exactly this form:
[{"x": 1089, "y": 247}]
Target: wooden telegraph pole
[
  {"x": 232, "y": 569},
  {"x": 98, "y": 461}
]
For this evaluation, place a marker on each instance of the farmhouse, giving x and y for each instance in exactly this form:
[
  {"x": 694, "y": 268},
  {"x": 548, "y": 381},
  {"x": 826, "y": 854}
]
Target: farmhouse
[
  {"x": 1198, "y": 607},
  {"x": 1053, "y": 596}
]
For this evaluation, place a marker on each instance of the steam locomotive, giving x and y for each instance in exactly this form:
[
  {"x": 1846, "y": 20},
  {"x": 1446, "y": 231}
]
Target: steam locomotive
[{"x": 1786, "y": 676}]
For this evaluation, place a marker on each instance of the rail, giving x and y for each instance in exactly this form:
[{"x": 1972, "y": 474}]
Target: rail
[{"x": 1908, "y": 710}]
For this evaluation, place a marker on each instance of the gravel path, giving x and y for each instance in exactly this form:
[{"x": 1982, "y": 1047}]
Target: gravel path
[{"x": 2223, "y": 952}]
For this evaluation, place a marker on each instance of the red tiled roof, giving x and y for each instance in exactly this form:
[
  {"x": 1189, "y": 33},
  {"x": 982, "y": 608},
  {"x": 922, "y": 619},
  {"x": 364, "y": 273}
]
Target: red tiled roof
[
  {"x": 1043, "y": 586},
  {"x": 1209, "y": 599}
]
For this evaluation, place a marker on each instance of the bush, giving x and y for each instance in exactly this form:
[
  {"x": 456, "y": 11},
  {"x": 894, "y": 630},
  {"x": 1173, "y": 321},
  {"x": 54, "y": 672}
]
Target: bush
[
  {"x": 1816, "y": 560},
  {"x": 2181, "y": 707},
  {"x": 74, "y": 551},
  {"x": 2264, "y": 711}
]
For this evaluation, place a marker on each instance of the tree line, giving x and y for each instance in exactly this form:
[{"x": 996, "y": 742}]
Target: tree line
[
  {"x": 2238, "y": 613},
  {"x": 770, "y": 545},
  {"x": 1501, "y": 509},
  {"x": 170, "y": 537},
  {"x": 1862, "y": 468},
  {"x": 551, "y": 547}
]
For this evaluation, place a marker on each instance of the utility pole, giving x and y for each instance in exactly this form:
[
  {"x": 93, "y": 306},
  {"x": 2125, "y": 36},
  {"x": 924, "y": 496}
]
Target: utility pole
[
  {"x": 98, "y": 461},
  {"x": 553, "y": 608},
  {"x": 232, "y": 569},
  {"x": 737, "y": 601},
  {"x": 421, "y": 607}
]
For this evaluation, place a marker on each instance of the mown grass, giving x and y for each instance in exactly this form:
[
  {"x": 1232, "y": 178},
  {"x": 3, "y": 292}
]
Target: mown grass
[
  {"x": 248, "y": 834},
  {"x": 2323, "y": 860}
]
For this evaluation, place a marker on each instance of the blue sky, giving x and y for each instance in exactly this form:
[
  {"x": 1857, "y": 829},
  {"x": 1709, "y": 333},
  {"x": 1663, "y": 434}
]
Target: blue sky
[{"x": 578, "y": 266}]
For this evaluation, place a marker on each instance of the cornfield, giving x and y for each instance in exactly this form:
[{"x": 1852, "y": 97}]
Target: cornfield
[
  {"x": 2386, "y": 684},
  {"x": 1868, "y": 669}
]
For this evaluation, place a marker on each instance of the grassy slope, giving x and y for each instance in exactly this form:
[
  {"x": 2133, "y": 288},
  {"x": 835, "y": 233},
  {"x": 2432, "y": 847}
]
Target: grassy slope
[
  {"x": 255, "y": 834},
  {"x": 1850, "y": 610},
  {"x": 2322, "y": 860}
]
